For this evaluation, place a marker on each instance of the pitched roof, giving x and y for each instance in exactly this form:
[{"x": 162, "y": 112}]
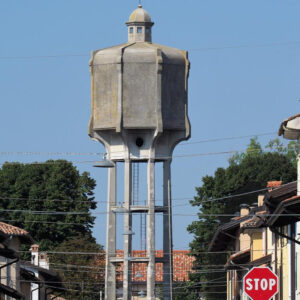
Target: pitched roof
[
  {"x": 286, "y": 212},
  {"x": 274, "y": 197},
  {"x": 11, "y": 230},
  {"x": 225, "y": 233}
]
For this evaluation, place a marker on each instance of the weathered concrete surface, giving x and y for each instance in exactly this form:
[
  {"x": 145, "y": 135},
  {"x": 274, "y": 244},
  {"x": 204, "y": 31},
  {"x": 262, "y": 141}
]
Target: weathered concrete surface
[
  {"x": 139, "y": 113},
  {"x": 110, "y": 270},
  {"x": 140, "y": 99}
]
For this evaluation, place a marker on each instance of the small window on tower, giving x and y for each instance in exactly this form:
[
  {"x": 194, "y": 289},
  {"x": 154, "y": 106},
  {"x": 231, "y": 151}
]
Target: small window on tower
[
  {"x": 140, "y": 30},
  {"x": 131, "y": 30},
  {"x": 148, "y": 29}
]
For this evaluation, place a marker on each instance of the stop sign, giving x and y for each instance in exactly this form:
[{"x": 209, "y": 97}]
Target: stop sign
[{"x": 260, "y": 283}]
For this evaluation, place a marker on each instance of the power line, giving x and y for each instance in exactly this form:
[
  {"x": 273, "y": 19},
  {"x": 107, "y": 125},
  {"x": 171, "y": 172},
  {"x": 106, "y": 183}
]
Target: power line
[
  {"x": 191, "y": 252},
  {"x": 28, "y": 153},
  {"x": 158, "y": 200},
  {"x": 289, "y": 43},
  {"x": 248, "y": 46},
  {"x": 165, "y": 157},
  {"x": 43, "y": 222},
  {"x": 227, "y": 138},
  {"x": 69, "y": 153},
  {"x": 58, "y": 213},
  {"x": 42, "y": 56}
]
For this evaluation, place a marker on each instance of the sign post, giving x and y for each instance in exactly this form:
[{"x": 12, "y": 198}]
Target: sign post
[{"x": 260, "y": 283}]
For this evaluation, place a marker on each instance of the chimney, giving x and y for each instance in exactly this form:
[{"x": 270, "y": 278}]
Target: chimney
[
  {"x": 44, "y": 260},
  {"x": 34, "y": 249},
  {"x": 260, "y": 200},
  {"x": 244, "y": 210},
  {"x": 273, "y": 184}
]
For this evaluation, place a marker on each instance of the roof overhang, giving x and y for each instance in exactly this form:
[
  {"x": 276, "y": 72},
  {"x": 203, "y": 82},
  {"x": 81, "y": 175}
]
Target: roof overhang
[
  {"x": 238, "y": 260},
  {"x": 226, "y": 233},
  {"x": 290, "y": 128},
  {"x": 6, "y": 290},
  {"x": 8, "y": 253},
  {"x": 52, "y": 278},
  {"x": 275, "y": 197},
  {"x": 29, "y": 276},
  {"x": 286, "y": 212}
]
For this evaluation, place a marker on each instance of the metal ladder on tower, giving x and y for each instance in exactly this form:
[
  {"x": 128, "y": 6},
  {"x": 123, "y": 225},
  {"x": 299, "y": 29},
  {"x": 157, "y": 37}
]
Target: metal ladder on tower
[{"x": 136, "y": 201}]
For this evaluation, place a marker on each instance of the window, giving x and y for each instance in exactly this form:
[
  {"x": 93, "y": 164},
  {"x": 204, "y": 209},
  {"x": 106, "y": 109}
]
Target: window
[
  {"x": 148, "y": 30},
  {"x": 140, "y": 30},
  {"x": 131, "y": 30}
]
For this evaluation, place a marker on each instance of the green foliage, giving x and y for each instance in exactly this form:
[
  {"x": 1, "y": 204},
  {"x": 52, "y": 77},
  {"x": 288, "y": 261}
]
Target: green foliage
[
  {"x": 181, "y": 290},
  {"x": 246, "y": 172},
  {"x": 185, "y": 290},
  {"x": 32, "y": 187},
  {"x": 81, "y": 274}
]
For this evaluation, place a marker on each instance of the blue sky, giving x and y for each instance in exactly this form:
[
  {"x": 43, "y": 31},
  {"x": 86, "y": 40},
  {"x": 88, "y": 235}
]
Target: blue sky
[{"x": 245, "y": 79}]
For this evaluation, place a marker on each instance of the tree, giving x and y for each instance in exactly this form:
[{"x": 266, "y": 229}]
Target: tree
[
  {"x": 44, "y": 199},
  {"x": 82, "y": 274},
  {"x": 246, "y": 172}
]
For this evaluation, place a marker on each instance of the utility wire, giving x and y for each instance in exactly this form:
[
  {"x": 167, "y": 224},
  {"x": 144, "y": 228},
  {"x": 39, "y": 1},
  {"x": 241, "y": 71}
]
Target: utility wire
[
  {"x": 176, "y": 199},
  {"x": 163, "y": 158},
  {"x": 290, "y": 43},
  {"x": 38, "y": 153},
  {"x": 191, "y": 253},
  {"x": 28, "y": 153},
  {"x": 59, "y": 213},
  {"x": 227, "y": 138}
]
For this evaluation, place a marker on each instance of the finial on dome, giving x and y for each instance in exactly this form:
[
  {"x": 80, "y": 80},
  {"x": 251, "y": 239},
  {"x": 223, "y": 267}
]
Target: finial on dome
[{"x": 139, "y": 26}]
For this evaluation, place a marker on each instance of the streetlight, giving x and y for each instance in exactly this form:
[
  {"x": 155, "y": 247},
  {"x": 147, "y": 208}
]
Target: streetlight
[{"x": 105, "y": 163}]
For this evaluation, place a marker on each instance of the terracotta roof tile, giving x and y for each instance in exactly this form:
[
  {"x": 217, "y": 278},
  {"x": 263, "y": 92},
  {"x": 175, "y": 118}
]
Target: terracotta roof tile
[
  {"x": 182, "y": 266},
  {"x": 274, "y": 184},
  {"x": 12, "y": 230}
]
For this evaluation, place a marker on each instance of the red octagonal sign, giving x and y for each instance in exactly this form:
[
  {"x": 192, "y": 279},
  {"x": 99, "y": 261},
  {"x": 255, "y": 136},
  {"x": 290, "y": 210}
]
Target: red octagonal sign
[{"x": 260, "y": 283}]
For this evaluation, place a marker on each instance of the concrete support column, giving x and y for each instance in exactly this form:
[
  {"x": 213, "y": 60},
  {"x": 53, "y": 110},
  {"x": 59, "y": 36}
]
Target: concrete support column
[
  {"x": 127, "y": 237},
  {"x": 151, "y": 231},
  {"x": 110, "y": 270},
  {"x": 167, "y": 232}
]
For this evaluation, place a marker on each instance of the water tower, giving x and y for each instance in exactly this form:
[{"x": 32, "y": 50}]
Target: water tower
[{"x": 139, "y": 113}]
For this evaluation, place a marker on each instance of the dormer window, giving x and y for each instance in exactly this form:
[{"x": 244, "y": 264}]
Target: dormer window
[
  {"x": 139, "y": 30},
  {"x": 131, "y": 30}
]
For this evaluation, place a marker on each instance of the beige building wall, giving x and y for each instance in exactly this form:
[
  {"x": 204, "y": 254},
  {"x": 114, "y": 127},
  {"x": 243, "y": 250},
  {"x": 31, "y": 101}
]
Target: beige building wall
[
  {"x": 10, "y": 275},
  {"x": 257, "y": 247},
  {"x": 283, "y": 254}
]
